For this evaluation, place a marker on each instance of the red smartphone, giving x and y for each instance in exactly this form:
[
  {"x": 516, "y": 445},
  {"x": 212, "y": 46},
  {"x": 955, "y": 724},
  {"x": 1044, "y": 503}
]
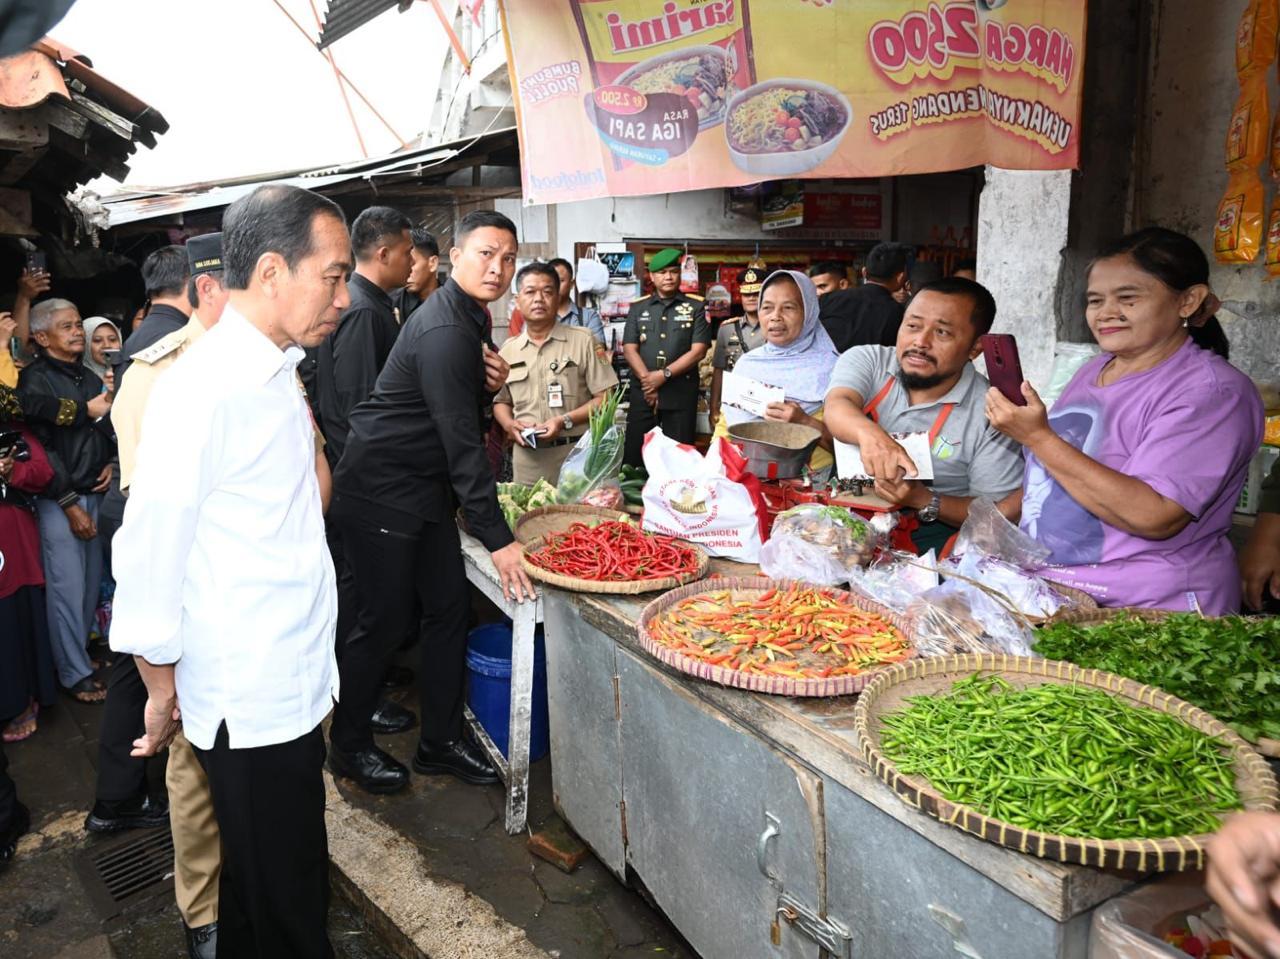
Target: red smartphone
[{"x": 1003, "y": 368}]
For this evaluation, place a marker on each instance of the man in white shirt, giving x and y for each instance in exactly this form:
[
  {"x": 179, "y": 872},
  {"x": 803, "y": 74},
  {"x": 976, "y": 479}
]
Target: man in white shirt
[{"x": 226, "y": 591}]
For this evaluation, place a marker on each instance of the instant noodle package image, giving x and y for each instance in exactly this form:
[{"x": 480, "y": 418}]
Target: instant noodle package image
[
  {"x": 636, "y": 97},
  {"x": 1273, "y": 238},
  {"x": 1256, "y": 38},
  {"x": 1247, "y": 143},
  {"x": 1237, "y": 235}
]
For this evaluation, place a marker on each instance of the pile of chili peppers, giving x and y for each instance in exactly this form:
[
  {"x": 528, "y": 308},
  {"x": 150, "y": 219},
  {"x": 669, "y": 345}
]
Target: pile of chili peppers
[
  {"x": 798, "y": 632},
  {"x": 1066, "y": 760},
  {"x": 613, "y": 552}
]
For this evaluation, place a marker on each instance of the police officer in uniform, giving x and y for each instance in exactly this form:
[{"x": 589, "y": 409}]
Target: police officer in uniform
[
  {"x": 666, "y": 336},
  {"x": 558, "y": 375},
  {"x": 738, "y": 336}
]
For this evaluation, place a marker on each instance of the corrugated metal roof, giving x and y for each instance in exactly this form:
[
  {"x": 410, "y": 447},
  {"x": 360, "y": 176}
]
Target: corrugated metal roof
[
  {"x": 347, "y": 16},
  {"x": 133, "y": 206}
]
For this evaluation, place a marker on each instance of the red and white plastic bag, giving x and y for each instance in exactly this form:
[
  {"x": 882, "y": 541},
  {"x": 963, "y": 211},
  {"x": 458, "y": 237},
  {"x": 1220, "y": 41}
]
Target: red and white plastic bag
[{"x": 705, "y": 500}]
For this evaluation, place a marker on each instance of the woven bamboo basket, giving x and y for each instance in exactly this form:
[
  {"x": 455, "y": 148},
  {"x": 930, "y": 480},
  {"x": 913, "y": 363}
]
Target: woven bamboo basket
[
  {"x": 774, "y": 685},
  {"x": 629, "y": 588},
  {"x": 1255, "y": 782},
  {"x": 538, "y": 523}
]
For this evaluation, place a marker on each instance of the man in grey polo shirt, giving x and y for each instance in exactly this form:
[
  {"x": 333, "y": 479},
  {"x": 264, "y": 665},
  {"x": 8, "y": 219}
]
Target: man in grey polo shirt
[{"x": 927, "y": 383}]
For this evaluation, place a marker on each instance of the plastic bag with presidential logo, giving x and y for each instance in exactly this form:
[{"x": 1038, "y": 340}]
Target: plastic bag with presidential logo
[{"x": 710, "y": 500}]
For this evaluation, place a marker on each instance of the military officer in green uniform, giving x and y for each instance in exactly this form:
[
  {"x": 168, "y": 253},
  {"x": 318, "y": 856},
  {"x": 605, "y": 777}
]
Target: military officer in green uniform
[{"x": 666, "y": 336}]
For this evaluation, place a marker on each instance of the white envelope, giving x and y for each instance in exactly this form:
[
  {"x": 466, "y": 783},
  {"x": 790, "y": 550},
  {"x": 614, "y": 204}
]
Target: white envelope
[
  {"x": 849, "y": 459},
  {"x": 745, "y": 394}
]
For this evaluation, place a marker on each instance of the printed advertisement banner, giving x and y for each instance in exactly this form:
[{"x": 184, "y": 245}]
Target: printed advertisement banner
[{"x": 636, "y": 97}]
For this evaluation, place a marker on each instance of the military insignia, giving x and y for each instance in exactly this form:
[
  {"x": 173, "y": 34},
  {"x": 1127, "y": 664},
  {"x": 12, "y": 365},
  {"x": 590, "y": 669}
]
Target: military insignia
[
  {"x": 751, "y": 276},
  {"x": 160, "y": 350},
  {"x": 684, "y": 309}
]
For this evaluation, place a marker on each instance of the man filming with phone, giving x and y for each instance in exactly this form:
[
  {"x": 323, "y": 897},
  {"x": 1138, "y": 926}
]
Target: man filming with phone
[{"x": 926, "y": 383}]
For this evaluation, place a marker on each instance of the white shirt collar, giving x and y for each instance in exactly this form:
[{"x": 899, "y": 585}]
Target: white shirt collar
[{"x": 262, "y": 358}]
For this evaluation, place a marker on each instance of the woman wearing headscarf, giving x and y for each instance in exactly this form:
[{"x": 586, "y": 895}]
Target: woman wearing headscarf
[
  {"x": 100, "y": 335},
  {"x": 26, "y": 660},
  {"x": 797, "y": 356}
]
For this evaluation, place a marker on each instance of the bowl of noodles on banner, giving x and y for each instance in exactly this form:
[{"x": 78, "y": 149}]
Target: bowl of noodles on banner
[
  {"x": 702, "y": 75},
  {"x": 785, "y": 126}
]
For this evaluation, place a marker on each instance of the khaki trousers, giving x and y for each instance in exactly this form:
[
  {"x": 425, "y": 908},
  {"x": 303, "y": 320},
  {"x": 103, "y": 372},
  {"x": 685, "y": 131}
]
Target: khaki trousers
[
  {"x": 527, "y": 465},
  {"x": 197, "y": 844}
]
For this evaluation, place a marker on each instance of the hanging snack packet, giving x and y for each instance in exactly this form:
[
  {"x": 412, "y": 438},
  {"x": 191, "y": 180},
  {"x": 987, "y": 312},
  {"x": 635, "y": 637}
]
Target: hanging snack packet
[
  {"x": 1247, "y": 131},
  {"x": 1273, "y": 238},
  {"x": 689, "y": 279},
  {"x": 1274, "y": 158},
  {"x": 1237, "y": 237},
  {"x": 1256, "y": 38}
]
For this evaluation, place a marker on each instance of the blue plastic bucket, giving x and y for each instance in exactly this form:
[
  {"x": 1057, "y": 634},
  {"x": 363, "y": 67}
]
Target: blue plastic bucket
[{"x": 489, "y": 686}]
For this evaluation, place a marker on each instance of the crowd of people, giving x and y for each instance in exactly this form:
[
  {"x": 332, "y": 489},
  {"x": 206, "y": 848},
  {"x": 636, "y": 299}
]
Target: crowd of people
[{"x": 262, "y": 532}]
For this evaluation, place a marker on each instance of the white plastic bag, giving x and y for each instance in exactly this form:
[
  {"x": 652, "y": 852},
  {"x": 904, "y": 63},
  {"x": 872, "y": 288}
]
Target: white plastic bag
[
  {"x": 1067, "y": 360},
  {"x": 693, "y": 497}
]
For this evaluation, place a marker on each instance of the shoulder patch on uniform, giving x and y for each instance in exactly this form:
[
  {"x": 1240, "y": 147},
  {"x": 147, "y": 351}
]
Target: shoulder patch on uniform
[
  {"x": 160, "y": 349},
  {"x": 695, "y": 296}
]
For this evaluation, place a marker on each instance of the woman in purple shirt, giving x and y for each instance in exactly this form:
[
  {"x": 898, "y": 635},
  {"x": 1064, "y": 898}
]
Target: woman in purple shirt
[{"x": 1131, "y": 481}]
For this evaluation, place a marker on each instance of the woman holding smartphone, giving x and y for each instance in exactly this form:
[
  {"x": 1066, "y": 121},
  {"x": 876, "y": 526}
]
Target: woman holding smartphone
[{"x": 1131, "y": 481}]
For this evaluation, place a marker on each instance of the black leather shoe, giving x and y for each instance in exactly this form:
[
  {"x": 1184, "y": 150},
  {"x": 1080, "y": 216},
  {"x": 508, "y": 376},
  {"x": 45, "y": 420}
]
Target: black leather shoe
[
  {"x": 18, "y": 825},
  {"x": 397, "y": 676},
  {"x": 144, "y": 812},
  {"x": 372, "y": 770},
  {"x": 391, "y": 718},
  {"x": 461, "y": 758},
  {"x": 202, "y": 941}
]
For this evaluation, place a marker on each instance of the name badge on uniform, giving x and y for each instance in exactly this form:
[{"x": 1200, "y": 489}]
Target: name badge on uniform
[{"x": 555, "y": 396}]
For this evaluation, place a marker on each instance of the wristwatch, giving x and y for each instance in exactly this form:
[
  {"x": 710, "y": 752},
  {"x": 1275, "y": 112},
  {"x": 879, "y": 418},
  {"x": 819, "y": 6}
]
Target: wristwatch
[
  {"x": 666, "y": 372},
  {"x": 930, "y": 512},
  {"x": 567, "y": 421}
]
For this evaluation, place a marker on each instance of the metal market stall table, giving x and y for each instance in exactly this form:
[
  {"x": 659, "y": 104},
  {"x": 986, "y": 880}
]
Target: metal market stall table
[
  {"x": 525, "y": 618},
  {"x": 759, "y": 830}
]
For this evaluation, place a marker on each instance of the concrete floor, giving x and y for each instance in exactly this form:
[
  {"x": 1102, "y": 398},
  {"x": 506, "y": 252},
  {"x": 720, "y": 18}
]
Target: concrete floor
[
  {"x": 45, "y": 911},
  {"x": 459, "y": 831},
  {"x": 454, "y": 830}
]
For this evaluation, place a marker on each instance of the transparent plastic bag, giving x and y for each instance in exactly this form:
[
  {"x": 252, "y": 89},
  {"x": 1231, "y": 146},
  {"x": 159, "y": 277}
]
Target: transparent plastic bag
[
  {"x": 1030, "y": 594},
  {"x": 588, "y": 468},
  {"x": 1131, "y": 926},
  {"x": 896, "y": 579},
  {"x": 958, "y": 617},
  {"x": 986, "y": 531},
  {"x": 820, "y": 544}
]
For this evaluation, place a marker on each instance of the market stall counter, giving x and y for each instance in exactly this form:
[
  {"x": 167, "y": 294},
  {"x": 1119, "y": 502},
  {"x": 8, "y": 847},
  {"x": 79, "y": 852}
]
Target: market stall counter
[{"x": 757, "y": 826}]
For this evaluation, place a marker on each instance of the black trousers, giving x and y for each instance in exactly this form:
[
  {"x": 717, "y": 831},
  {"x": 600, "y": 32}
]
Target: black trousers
[
  {"x": 390, "y": 567},
  {"x": 680, "y": 425},
  {"x": 8, "y": 793},
  {"x": 120, "y": 776},
  {"x": 347, "y": 603},
  {"x": 273, "y": 895}
]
